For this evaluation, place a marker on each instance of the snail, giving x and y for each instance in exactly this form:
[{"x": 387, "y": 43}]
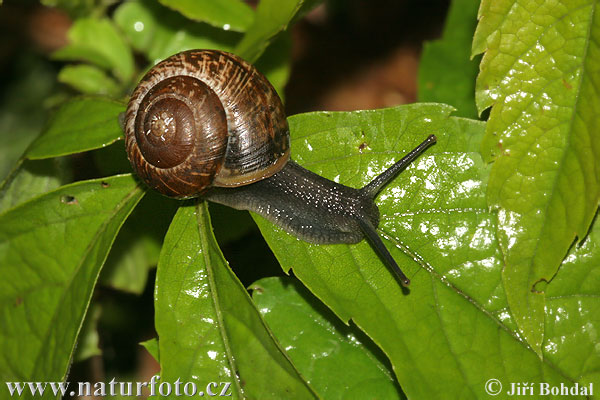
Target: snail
[{"x": 205, "y": 123}]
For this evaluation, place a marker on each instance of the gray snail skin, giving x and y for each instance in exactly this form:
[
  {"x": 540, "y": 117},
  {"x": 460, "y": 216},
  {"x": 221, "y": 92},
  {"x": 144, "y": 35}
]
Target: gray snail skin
[{"x": 205, "y": 123}]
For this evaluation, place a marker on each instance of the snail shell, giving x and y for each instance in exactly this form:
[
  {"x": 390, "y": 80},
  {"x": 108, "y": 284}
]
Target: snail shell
[{"x": 205, "y": 118}]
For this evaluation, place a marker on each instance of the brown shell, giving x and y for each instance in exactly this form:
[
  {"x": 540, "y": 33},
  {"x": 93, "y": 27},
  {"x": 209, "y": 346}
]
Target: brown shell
[{"x": 205, "y": 118}]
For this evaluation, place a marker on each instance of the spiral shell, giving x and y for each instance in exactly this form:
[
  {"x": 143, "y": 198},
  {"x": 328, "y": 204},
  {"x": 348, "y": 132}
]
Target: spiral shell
[{"x": 205, "y": 118}]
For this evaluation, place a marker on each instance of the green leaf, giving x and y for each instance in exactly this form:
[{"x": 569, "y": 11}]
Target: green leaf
[
  {"x": 159, "y": 32},
  {"x": 79, "y": 125},
  {"x": 444, "y": 336},
  {"x": 89, "y": 340},
  {"x": 97, "y": 41},
  {"x": 539, "y": 74},
  {"x": 225, "y": 14},
  {"x": 23, "y": 111},
  {"x": 572, "y": 318},
  {"x": 137, "y": 247},
  {"x": 572, "y": 312},
  {"x": 31, "y": 178},
  {"x": 51, "y": 251},
  {"x": 332, "y": 356},
  {"x": 275, "y": 62},
  {"x": 208, "y": 327},
  {"x": 17, "y": 141},
  {"x": 80, "y": 8},
  {"x": 151, "y": 346},
  {"x": 272, "y": 17},
  {"x": 89, "y": 79},
  {"x": 446, "y": 72}
]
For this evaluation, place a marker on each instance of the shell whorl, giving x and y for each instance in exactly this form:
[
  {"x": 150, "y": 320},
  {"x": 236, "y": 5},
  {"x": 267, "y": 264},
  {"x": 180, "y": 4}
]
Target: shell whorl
[{"x": 205, "y": 118}]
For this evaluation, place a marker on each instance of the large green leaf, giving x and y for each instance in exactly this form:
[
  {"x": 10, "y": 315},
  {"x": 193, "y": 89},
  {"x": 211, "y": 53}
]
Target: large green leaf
[
  {"x": 97, "y": 41},
  {"x": 159, "y": 32},
  {"x": 225, "y": 14},
  {"x": 208, "y": 328},
  {"x": 446, "y": 72},
  {"x": 81, "y": 124},
  {"x": 272, "y": 17},
  {"x": 339, "y": 361},
  {"x": 448, "y": 334},
  {"x": 51, "y": 251},
  {"x": 540, "y": 74}
]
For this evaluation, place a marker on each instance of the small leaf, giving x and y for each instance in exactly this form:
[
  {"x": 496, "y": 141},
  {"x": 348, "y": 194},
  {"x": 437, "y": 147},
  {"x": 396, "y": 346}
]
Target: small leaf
[
  {"x": 79, "y": 125},
  {"x": 51, "y": 251},
  {"x": 151, "y": 345},
  {"x": 336, "y": 359},
  {"x": 272, "y": 17},
  {"x": 97, "y": 41},
  {"x": 88, "y": 79},
  {"x": 446, "y": 72},
  {"x": 159, "y": 32},
  {"x": 31, "y": 178},
  {"x": 539, "y": 74},
  {"x": 224, "y": 14},
  {"x": 208, "y": 327}
]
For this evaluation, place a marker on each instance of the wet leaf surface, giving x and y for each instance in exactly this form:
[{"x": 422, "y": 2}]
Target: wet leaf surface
[
  {"x": 450, "y": 332},
  {"x": 208, "y": 328},
  {"x": 540, "y": 75},
  {"x": 339, "y": 361},
  {"x": 51, "y": 251}
]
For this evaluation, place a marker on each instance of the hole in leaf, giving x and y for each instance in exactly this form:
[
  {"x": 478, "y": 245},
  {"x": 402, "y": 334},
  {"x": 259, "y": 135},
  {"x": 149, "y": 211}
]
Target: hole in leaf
[
  {"x": 258, "y": 289},
  {"x": 68, "y": 199}
]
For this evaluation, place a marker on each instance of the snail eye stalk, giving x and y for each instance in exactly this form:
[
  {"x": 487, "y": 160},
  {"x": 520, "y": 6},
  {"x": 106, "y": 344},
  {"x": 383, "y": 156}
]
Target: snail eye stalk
[
  {"x": 375, "y": 186},
  {"x": 377, "y": 244},
  {"x": 372, "y": 189}
]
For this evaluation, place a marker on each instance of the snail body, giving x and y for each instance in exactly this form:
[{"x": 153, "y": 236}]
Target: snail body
[
  {"x": 311, "y": 207},
  {"x": 204, "y": 123}
]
